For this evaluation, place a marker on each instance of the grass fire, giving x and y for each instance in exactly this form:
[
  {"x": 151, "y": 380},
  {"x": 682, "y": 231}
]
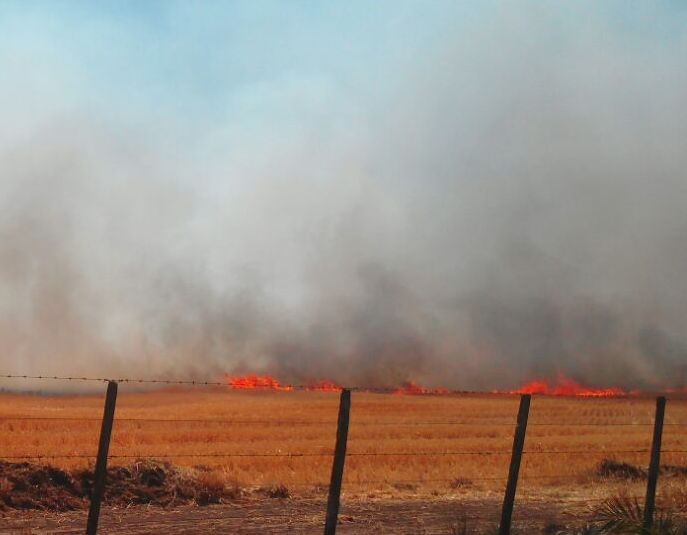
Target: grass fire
[
  {"x": 402, "y": 266},
  {"x": 562, "y": 386}
]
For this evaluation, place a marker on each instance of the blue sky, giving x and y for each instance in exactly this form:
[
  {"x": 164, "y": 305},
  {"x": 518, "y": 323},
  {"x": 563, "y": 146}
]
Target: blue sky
[
  {"x": 195, "y": 61},
  {"x": 187, "y": 58}
]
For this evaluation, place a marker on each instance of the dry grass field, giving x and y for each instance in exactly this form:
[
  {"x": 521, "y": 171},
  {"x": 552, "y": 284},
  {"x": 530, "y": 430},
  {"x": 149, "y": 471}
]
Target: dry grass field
[
  {"x": 442, "y": 442},
  {"x": 400, "y": 447}
]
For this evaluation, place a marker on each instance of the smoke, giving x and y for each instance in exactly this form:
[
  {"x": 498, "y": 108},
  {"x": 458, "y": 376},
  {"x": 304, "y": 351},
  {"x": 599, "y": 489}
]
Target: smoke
[{"x": 504, "y": 202}]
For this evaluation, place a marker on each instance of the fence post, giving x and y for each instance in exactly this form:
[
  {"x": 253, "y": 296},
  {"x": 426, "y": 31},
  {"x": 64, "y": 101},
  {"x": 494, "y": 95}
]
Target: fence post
[
  {"x": 338, "y": 464},
  {"x": 654, "y": 464},
  {"x": 516, "y": 456},
  {"x": 101, "y": 461}
]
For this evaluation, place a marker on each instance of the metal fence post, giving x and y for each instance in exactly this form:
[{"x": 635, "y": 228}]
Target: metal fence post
[
  {"x": 654, "y": 464},
  {"x": 338, "y": 464},
  {"x": 516, "y": 456},
  {"x": 101, "y": 462}
]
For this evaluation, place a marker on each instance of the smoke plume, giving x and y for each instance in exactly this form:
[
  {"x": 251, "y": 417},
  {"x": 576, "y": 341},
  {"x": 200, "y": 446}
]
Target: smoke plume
[{"x": 504, "y": 202}]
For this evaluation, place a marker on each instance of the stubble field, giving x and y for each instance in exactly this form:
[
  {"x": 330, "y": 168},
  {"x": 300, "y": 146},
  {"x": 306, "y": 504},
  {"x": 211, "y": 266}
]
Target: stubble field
[{"x": 444, "y": 449}]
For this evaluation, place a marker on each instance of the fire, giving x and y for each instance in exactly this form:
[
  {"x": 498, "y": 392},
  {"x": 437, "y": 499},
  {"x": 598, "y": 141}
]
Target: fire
[
  {"x": 413, "y": 389},
  {"x": 409, "y": 387},
  {"x": 249, "y": 382},
  {"x": 563, "y": 386},
  {"x": 323, "y": 386},
  {"x": 266, "y": 382},
  {"x": 533, "y": 387},
  {"x": 567, "y": 387}
]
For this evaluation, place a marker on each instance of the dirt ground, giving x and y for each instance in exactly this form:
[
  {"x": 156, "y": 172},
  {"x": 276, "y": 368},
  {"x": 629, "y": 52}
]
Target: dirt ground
[{"x": 400, "y": 516}]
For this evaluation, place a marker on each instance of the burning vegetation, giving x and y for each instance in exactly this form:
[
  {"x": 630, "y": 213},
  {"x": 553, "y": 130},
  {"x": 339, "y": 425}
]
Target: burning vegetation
[
  {"x": 563, "y": 386},
  {"x": 250, "y": 382},
  {"x": 323, "y": 386},
  {"x": 411, "y": 388},
  {"x": 266, "y": 382}
]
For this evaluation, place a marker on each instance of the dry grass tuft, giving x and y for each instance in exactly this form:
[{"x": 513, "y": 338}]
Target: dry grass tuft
[
  {"x": 621, "y": 470},
  {"x": 460, "y": 483},
  {"x": 29, "y": 486},
  {"x": 276, "y": 491}
]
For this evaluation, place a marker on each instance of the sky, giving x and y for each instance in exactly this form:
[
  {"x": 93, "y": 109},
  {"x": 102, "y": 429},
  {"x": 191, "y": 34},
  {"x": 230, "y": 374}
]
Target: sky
[
  {"x": 472, "y": 193},
  {"x": 203, "y": 63},
  {"x": 147, "y": 61}
]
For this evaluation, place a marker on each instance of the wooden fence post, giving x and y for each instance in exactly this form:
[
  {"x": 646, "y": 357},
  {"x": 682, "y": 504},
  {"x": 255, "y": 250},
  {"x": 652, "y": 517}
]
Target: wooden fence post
[
  {"x": 516, "y": 456},
  {"x": 338, "y": 464},
  {"x": 101, "y": 462},
  {"x": 654, "y": 464}
]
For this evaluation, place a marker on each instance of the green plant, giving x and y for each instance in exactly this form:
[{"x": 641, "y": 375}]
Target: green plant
[{"x": 624, "y": 515}]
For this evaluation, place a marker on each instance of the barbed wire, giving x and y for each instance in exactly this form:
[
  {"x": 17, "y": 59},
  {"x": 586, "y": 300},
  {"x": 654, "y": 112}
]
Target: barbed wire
[
  {"x": 353, "y": 423},
  {"x": 460, "y": 479},
  {"x": 528, "y": 499},
  {"x": 53, "y": 377},
  {"x": 168, "y": 420},
  {"x": 313, "y": 387},
  {"x": 243, "y": 421},
  {"x": 351, "y": 454},
  {"x": 286, "y": 387},
  {"x": 506, "y": 452},
  {"x": 163, "y": 456},
  {"x": 187, "y": 382}
]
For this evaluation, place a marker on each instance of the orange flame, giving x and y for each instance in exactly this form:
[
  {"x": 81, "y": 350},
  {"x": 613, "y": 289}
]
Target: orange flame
[
  {"x": 567, "y": 387},
  {"x": 249, "y": 382},
  {"x": 266, "y": 382},
  {"x": 323, "y": 386}
]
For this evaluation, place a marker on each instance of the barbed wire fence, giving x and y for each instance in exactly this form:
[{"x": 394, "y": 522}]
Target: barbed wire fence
[{"x": 339, "y": 454}]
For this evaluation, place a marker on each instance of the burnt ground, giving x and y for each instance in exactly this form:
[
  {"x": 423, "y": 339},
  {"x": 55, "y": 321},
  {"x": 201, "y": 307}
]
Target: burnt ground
[{"x": 416, "y": 516}]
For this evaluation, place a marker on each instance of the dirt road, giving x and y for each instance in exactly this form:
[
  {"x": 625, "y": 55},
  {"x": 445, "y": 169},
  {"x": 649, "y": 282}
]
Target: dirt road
[{"x": 408, "y": 516}]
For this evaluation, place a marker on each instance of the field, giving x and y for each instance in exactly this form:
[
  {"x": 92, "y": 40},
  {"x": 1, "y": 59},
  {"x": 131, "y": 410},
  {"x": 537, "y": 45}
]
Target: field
[{"x": 444, "y": 455}]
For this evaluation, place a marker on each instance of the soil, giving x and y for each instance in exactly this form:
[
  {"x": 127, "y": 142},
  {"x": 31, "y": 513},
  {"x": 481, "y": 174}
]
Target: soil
[{"x": 303, "y": 516}]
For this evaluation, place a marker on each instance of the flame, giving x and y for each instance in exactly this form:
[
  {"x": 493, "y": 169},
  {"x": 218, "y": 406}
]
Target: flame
[
  {"x": 266, "y": 382},
  {"x": 410, "y": 388},
  {"x": 323, "y": 386},
  {"x": 533, "y": 387},
  {"x": 413, "y": 389},
  {"x": 565, "y": 386},
  {"x": 249, "y": 382}
]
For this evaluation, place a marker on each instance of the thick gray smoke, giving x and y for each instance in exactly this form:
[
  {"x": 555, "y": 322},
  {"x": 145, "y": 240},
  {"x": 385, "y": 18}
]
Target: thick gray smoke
[{"x": 509, "y": 202}]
